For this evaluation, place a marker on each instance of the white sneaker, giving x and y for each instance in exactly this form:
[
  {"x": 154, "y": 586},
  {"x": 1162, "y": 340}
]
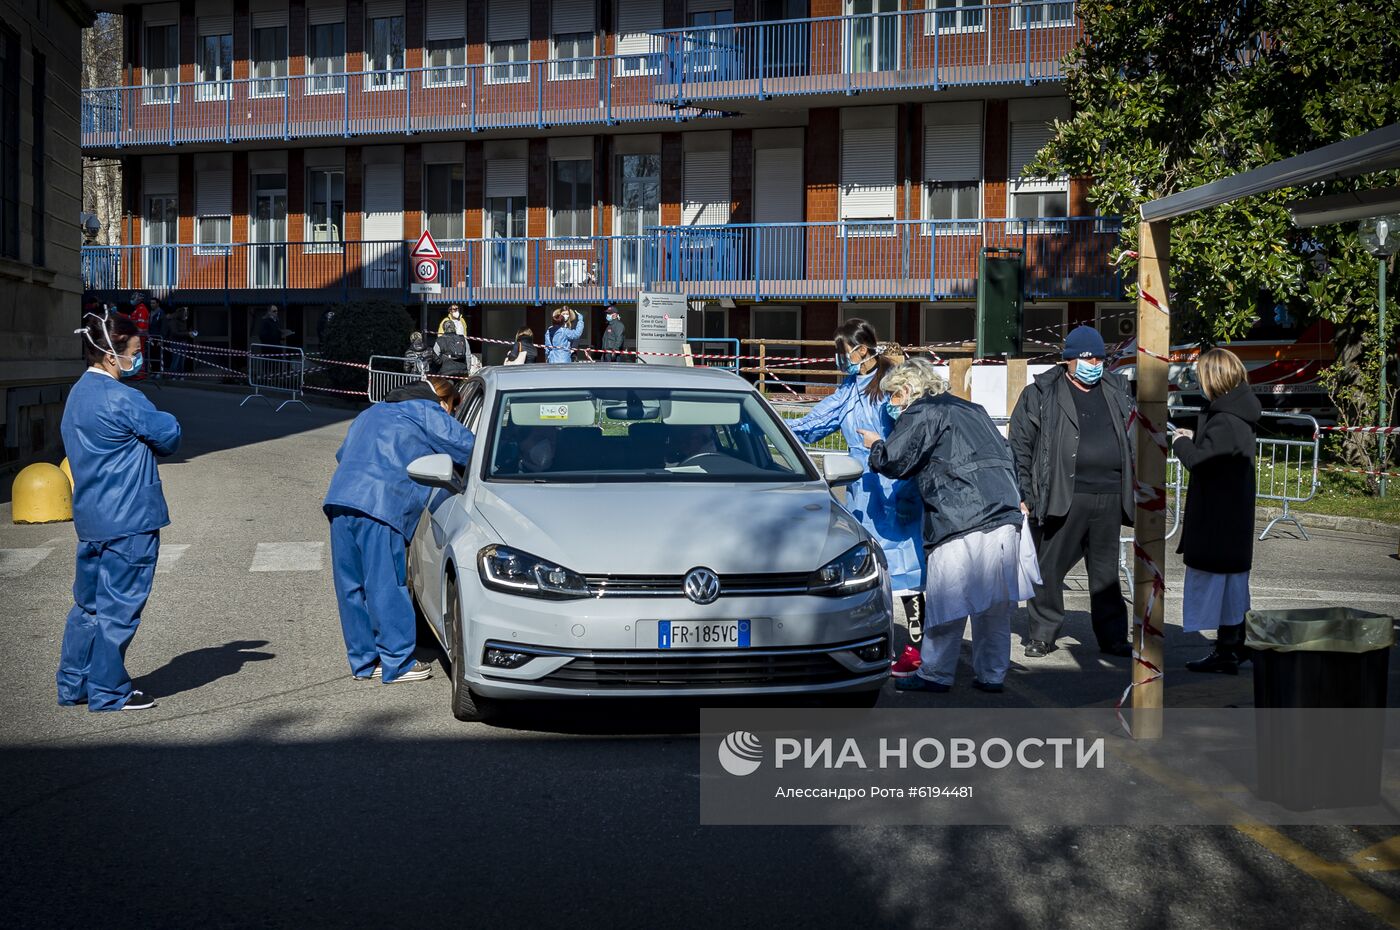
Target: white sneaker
[
  {"x": 417, "y": 672},
  {"x": 375, "y": 675},
  {"x": 139, "y": 700}
]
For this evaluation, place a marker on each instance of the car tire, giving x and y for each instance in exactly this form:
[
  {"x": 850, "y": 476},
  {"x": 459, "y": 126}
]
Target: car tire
[{"x": 466, "y": 706}]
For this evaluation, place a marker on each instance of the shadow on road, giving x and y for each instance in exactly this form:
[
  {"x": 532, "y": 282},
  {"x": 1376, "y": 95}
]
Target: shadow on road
[{"x": 199, "y": 667}]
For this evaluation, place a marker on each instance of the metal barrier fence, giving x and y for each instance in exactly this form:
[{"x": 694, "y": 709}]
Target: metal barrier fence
[
  {"x": 385, "y": 374},
  {"x": 276, "y": 370},
  {"x": 1286, "y": 470}
]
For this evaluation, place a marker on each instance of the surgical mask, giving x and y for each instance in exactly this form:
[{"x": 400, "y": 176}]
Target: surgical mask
[
  {"x": 894, "y": 410},
  {"x": 456, "y": 314},
  {"x": 1086, "y": 373},
  {"x": 137, "y": 361}
]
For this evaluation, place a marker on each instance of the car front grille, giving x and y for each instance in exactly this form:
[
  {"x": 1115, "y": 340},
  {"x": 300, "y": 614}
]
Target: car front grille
[
  {"x": 691, "y": 670},
  {"x": 674, "y": 585}
]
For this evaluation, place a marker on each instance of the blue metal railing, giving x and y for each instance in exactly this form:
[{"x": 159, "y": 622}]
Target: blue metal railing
[
  {"x": 897, "y": 259},
  {"x": 1015, "y": 42}
]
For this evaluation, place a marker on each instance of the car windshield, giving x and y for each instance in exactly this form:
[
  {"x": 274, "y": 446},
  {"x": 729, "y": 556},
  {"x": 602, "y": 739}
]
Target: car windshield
[{"x": 640, "y": 434}]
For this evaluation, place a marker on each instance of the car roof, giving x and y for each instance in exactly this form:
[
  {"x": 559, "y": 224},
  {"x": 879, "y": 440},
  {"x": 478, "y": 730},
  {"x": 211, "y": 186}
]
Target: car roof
[{"x": 606, "y": 375}]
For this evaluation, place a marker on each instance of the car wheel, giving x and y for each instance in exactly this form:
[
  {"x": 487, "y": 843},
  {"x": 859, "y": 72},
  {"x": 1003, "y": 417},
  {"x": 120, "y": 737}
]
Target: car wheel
[{"x": 465, "y": 705}]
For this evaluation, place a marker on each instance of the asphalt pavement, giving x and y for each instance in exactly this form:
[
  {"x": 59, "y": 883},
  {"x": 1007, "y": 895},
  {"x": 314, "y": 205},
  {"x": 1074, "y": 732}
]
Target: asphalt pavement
[{"x": 268, "y": 789}]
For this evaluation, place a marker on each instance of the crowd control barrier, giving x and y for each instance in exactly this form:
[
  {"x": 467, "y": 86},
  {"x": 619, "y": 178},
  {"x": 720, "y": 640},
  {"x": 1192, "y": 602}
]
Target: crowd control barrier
[
  {"x": 276, "y": 370},
  {"x": 385, "y": 374},
  {"x": 1286, "y": 470}
]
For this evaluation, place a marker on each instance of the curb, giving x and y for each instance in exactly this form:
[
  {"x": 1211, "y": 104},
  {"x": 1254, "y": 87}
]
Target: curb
[{"x": 1325, "y": 521}]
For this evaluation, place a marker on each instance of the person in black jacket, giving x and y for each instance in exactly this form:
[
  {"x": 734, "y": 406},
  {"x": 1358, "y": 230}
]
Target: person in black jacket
[
  {"x": 614, "y": 337},
  {"x": 523, "y": 353},
  {"x": 1217, "y": 532},
  {"x": 269, "y": 330},
  {"x": 1074, "y": 462},
  {"x": 978, "y": 566}
]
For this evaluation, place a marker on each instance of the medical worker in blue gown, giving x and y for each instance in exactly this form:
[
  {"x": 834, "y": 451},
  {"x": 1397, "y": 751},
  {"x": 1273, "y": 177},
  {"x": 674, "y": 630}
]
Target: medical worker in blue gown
[
  {"x": 891, "y": 510},
  {"x": 374, "y": 506},
  {"x": 112, "y": 435}
]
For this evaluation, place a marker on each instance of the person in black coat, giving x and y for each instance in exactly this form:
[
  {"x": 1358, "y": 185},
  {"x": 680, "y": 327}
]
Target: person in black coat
[
  {"x": 614, "y": 337},
  {"x": 1217, "y": 533}
]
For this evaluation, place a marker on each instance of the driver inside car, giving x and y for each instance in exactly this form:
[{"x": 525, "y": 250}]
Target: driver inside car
[{"x": 686, "y": 442}]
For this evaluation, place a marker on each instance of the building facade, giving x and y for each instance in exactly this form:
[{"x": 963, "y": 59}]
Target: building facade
[
  {"x": 40, "y": 236},
  {"x": 786, "y": 163}
]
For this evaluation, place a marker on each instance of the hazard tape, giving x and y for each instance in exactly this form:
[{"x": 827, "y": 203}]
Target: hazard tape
[
  {"x": 1359, "y": 471},
  {"x": 1379, "y": 430}
]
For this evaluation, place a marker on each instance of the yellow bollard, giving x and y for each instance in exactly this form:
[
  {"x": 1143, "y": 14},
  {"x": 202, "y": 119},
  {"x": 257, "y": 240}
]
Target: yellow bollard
[
  {"x": 42, "y": 494},
  {"x": 67, "y": 469}
]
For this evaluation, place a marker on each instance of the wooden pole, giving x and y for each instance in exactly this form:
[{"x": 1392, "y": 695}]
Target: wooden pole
[
  {"x": 1016, "y": 375},
  {"x": 958, "y": 381},
  {"x": 1154, "y": 344}
]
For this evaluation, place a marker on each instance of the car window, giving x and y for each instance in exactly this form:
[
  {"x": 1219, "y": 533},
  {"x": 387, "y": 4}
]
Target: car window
[{"x": 622, "y": 434}]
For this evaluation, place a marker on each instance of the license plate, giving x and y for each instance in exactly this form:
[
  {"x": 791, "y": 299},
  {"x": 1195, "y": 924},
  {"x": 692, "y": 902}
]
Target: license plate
[{"x": 703, "y": 634}]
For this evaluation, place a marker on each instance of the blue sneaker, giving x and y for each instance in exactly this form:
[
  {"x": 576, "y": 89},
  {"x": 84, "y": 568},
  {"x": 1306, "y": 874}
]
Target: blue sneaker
[{"x": 920, "y": 683}]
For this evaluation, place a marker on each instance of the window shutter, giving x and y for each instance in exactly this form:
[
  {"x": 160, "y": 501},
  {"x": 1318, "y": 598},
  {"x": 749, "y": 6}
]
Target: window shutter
[
  {"x": 267, "y": 14},
  {"x": 215, "y": 25},
  {"x": 570, "y": 16},
  {"x": 1026, "y": 140},
  {"x": 161, "y": 14},
  {"x": 214, "y": 190},
  {"x": 706, "y": 199},
  {"x": 508, "y": 21},
  {"x": 505, "y": 177},
  {"x": 323, "y": 12},
  {"x": 868, "y": 173},
  {"x": 383, "y": 9},
  {"x": 160, "y": 175},
  {"x": 447, "y": 19},
  {"x": 778, "y": 186},
  {"x": 636, "y": 20},
  {"x": 710, "y": 6},
  {"x": 953, "y": 153}
]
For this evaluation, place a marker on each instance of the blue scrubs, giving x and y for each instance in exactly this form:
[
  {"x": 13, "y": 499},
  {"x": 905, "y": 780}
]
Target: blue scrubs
[
  {"x": 559, "y": 342},
  {"x": 374, "y": 507},
  {"x": 891, "y": 510},
  {"x": 112, "y": 435}
]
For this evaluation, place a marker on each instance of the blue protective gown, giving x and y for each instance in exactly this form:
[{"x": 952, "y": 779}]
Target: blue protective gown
[
  {"x": 559, "y": 342},
  {"x": 374, "y": 507},
  {"x": 112, "y": 435},
  {"x": 891, "y": 510}
]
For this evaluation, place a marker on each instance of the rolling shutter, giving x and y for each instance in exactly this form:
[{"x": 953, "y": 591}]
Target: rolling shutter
[
  {"x": 216, "y": 25},
  {"x": 953, "y": 153},
  {"x": 709, "y": 6},
  {"x": 160, "y": 175},
  {"x": 706, "y": 200},
  {"x": 868, "y": 173},
  {"x": 161, "y": 14},
  {"x": 322, "y": 12},
  {"x": 214, "y": 186},
  {"x": 383, "y": 9},
  {"x": 1026, "y": 140},
  {"x": 505, "y": 177},
  {"x": 267, "y": 14},
  {"x": 507, "y": 21},
  {"x": 778, "y": 186},
  {"x": 570, "y": 16},
  {"x": 383, "y": 202},
  {"x": 447, "y": 19},
  {"x": 636, "y": 20}
]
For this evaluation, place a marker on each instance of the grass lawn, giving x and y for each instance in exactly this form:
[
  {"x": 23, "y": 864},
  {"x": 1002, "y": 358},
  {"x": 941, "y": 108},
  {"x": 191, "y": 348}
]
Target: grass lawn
[{"x": 1345, "y": 496}]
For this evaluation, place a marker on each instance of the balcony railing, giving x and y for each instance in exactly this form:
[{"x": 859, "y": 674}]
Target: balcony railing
[
  {"x": 590, "y": 269},
  {"x": 894, "y": 259},
  {"x": 520, "y": 95},
  {"x": 1017, "y": 42}
]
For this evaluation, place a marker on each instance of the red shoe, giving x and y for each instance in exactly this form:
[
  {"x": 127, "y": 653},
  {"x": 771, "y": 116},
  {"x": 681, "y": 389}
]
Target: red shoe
[{"x": 907, "y": 664}]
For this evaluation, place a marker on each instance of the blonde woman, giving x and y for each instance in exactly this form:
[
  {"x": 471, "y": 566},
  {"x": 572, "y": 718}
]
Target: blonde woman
[
  {"x": 980, "y": 561},
  {"x": 562, "y": 335},
  {"x": 1217, "y": 533}
]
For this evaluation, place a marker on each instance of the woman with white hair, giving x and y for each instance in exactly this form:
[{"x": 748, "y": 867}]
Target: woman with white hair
[{"x": 980, "y": 561}]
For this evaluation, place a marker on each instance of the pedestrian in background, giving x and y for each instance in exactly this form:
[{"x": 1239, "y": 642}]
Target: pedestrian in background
[
  {"x": 178, "y": 331},
  {"x": 270, "y": 328},
  {"x": 157, "y": 332},
  {"x": 1217, "y": 531},
  {"x": 614, "y": 336},
  {"x": 373, "y": 507},
  {"x": 323, "y": 324},
  {"x": 112, "y": 435},
  {"x": 562, "y": 335},
  {"x": 1069, "y": 434},
  {"x": 888, "y": 509},
  {"x": 453, "y": 323},
  {"x": 981, "y": 561},
  {"x": 523, "y": 353}
]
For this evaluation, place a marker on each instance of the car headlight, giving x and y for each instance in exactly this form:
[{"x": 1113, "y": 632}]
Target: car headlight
[
  {"x": 858, "y": 570},
  {"x": 515, "y": 572}
]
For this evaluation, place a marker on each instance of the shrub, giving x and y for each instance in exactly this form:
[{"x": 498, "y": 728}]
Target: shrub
[{"x": 359, "y": 330}]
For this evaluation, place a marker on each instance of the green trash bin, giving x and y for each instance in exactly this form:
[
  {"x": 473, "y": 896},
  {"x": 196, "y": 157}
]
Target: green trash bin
[{"x": 1306, "y": 662}]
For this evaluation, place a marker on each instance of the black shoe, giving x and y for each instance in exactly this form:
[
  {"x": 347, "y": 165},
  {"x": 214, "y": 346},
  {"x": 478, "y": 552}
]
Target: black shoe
[
  {"x": 1121, "y": 650},
  {"x": 1223, "y": 663},
  {"x": 1039, "y": 649},
  {"x": 139, "y": 701},
  {"x": 991, "y": 687}
]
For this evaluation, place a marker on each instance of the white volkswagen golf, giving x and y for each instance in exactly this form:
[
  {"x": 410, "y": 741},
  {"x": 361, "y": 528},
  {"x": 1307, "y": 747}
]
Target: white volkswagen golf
[{"x": 633, "y": 530}]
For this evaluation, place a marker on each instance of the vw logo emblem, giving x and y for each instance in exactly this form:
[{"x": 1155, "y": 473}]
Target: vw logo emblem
[{"x": 702, "y": 586}]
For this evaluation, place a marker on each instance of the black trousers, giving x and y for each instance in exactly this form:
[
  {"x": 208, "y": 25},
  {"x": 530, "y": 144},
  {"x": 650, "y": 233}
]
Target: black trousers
[{"x": 1089, "y": 532}]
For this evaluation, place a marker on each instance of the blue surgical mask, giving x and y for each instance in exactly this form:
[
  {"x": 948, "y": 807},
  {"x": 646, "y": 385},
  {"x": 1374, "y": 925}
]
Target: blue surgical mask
[
  {"x": 893, "y": 410},
  {"x": 1086, "y": 373},
  {"x": 137, "y": 361}
]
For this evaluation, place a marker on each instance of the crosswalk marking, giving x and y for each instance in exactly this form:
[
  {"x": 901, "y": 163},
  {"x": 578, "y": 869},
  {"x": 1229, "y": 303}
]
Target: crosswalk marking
[
  {"x": 288, "y": 557},
  {"x": 16, "y": 562},
  {"x": 169, "y": 554}
]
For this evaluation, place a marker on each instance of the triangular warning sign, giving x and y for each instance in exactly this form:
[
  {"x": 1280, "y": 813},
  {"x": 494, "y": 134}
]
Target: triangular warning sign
[{"x": 426, "y": 247}]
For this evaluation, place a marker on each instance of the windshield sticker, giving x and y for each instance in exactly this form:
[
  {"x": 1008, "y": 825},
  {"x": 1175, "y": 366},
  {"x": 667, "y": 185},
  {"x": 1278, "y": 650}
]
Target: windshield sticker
[{"x": 554, "y": 411}]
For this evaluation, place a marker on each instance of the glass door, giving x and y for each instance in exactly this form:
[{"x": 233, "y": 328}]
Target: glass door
[
  {"x": 873, "y": 40},
  {"x": 506, "y": 245},
  {"x": 270, "y": 230},
  {"x": 159, "y": 231},
  {"x": 639, "y": 206}
]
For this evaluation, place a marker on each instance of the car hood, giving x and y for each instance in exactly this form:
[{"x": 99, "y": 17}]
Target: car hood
[{"x": 668, "y": 529}]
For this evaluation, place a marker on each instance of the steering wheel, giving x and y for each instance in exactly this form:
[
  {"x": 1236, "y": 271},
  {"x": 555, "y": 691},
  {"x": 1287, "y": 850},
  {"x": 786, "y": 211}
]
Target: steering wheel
[{"x": 726, "y": 464}]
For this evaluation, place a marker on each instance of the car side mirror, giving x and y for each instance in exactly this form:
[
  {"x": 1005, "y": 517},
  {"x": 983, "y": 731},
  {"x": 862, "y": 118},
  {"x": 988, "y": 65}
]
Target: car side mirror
[
  {"x": 841, "y": 469},
  {"x": 436, "y": 471}
]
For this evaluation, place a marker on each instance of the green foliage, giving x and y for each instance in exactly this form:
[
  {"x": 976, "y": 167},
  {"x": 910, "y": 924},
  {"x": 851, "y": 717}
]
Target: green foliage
[
  {"x": 361, "y": 329},
  {"x": 1171, "y": 94}
]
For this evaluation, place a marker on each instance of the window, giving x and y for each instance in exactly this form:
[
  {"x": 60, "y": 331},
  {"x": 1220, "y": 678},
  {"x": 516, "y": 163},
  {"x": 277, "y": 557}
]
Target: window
[
  {"x": 326, "y": 48},
  {"x": 161, "y": 69},
  {"x": 214, "y": 231},
  {"x": 571, "y": 197},
  {"x": 215, "y": 59},
  {"x": 38, "y": 152},
  {"x": 708, "y": 48},
  {"x": 507, "y": 37},
  {"x": 954, "y": 200},
  {"x": 444, "y": 200},
  {"x": 777, "y": 323},
  {"x": 270, "y": 61},
  {"x": 953, "y": 166},
  {"x": 9, "y": 144},
  {"x": 638, "y": 206},
  {"x": 966, "y": 16},
  {"x": 1043, "y": 327},
  {"x": 509, "y": 62},
  {"x": 1037, "y": 15},
  {"x": 213, "y": 196},
  {"x": 1033, "y": 197},
  {"x": 880, "y": 316},
  {"x": 948, "y": 326},
  {"x": 873, "y": 39},
  {"x": 636, "y": 46},
  {"x": 447, "y": 58},
  {"x": 571, "y": 54},
  {"x": 868, "y": 173},
  {"x": 384, "y": 52},
  {"x": 325, "y": 208},
  {"x": 1040, "y": 204}
]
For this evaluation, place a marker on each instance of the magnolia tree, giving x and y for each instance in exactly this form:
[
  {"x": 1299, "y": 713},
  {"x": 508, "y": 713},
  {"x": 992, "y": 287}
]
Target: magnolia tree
[{"x": 1171, "y": 94}]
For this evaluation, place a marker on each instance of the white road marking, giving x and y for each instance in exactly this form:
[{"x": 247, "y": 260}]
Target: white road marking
[
  {"x": 16, "y": 562},
  {"x": 169, "y": 555},
  {"x": 288, "y": 557}
]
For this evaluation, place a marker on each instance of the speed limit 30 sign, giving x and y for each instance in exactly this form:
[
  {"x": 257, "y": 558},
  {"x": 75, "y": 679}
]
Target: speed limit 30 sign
[{"x": 427, "y": 270}]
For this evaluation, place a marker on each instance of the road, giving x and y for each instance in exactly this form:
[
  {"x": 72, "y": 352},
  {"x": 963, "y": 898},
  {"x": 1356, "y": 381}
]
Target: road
[{"x": 268, "y": 789}]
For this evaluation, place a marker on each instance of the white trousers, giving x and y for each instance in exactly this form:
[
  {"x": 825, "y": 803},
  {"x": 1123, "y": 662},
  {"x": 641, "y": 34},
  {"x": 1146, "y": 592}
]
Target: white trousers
[{"x": 991, "y": 646}]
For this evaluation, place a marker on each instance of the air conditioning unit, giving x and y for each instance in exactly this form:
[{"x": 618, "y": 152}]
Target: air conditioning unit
[{"x": 570, "y": 272}]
